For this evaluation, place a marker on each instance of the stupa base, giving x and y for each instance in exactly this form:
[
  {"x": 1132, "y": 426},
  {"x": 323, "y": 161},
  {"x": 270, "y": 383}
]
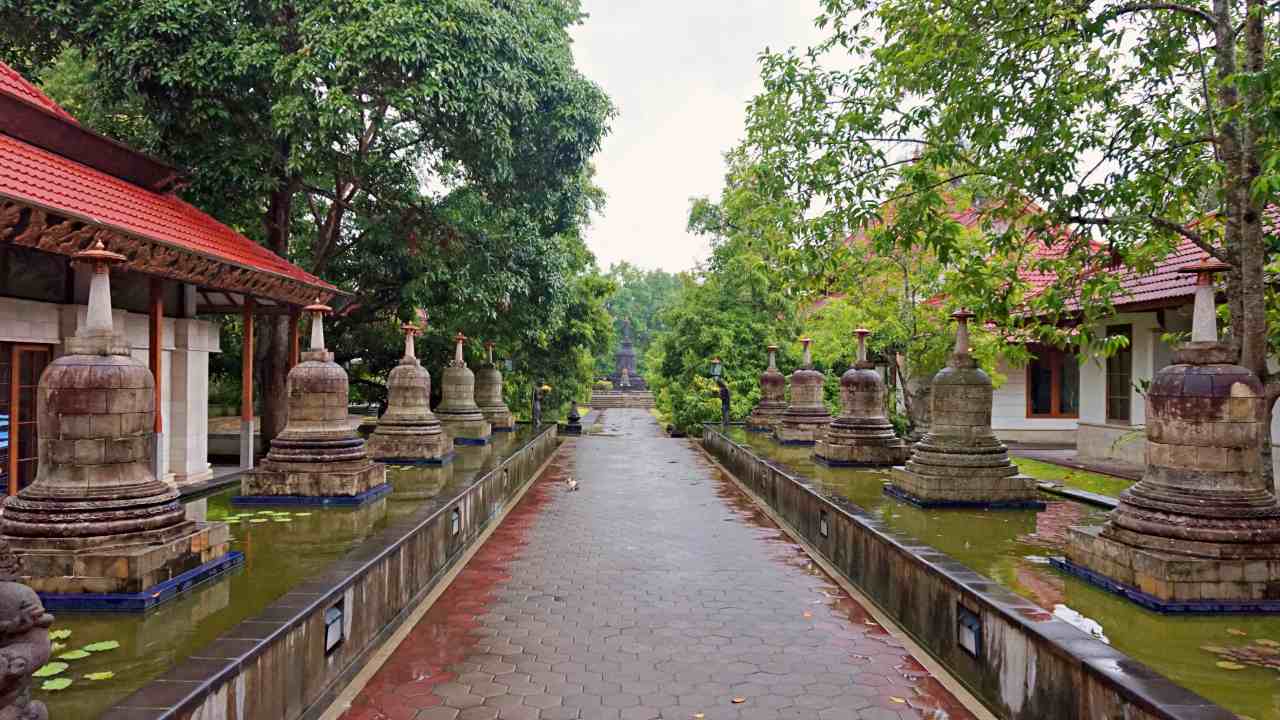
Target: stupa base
[
  {"x": 468, "y": 432},
  {"x": 1172, "y": 583},
  {"x": 312, "y": 480},
  {"x": 128, "y": 565},
  {"x": 764, "y": 420},
  {"x": 403, "y": 449},
  {"x": 971, "y": 490},
  {"x": 860, "y": 455},
  {"x": 799, "y": 433},
  {"x": 500, "y": 420}
]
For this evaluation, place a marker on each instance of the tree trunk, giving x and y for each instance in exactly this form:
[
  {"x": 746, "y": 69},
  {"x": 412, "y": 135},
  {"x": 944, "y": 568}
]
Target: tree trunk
[{"x": 272, "y": 362}]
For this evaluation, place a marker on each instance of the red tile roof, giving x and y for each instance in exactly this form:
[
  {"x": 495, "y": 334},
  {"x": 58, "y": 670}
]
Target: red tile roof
[
  {"x": 11, "y": 83},
  {"x": 1163, "y": 282},
  {"x": 38, "y": 177}
]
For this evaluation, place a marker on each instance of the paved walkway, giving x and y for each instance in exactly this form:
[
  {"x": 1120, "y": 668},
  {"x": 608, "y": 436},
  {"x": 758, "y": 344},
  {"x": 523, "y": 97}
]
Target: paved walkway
[{"x": 654, "y": 591}]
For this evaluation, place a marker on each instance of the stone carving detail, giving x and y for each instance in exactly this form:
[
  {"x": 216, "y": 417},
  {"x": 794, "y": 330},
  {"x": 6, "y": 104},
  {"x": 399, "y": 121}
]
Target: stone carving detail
[
  {"x": 773, "y": 397},
  {"x": 489, "y": 394},
  {"x": 806, "y": 418},
  {"x": 318, "y": 454},
  {"x": 457, "y": 410},
  {"x": 35, "y": 228},
  {"x": 24, "y": 641},
  {"x": 408, "y": 432},
  {"x": 960, "y": 461},
  {"x": 1201, "y": 526},
  {"x": 862, "y": 435}
]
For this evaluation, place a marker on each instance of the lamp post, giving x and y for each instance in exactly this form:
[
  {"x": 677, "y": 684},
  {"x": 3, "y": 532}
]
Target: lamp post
[{"x": 717, "y": 371}]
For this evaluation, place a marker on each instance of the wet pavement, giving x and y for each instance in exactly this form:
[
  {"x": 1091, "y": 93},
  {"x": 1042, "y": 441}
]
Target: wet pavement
[{"x": 655, "y": 590}]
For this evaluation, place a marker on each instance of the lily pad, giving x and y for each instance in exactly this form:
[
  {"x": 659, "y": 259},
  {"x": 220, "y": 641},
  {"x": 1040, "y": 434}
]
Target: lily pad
[
  {"x": 59, "y": 634},
  {"x": 258, "y": 520},
  {"x": 1214, "y": 649},
  {"x": 284, "y": 519},
  {"x": 55, "y": 647},
  {"x": 105, "y": 675},
  {"x": 73, "y": 655},
  {"x": 50, "y": 669},
  {"x": 56, "y": 684},
  {"x": 302, "y": 514},
  {"x": 102, "y": 646},
  {"x": 1228, "y": 665}
]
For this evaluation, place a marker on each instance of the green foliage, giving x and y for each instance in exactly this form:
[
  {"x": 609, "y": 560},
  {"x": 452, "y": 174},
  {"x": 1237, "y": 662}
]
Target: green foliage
[{"x": 420, "y": 155}]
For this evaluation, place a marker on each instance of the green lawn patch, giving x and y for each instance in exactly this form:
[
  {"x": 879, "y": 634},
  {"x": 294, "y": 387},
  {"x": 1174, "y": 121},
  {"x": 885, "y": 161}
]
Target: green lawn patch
[{"x": 1071, "y": 477}]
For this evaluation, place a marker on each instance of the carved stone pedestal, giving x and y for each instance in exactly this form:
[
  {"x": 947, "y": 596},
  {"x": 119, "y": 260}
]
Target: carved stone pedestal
[
  {"x": 960, "y": 462},
  {"x": 767, "y": 415},
  {"x": 862, "y": 435}
]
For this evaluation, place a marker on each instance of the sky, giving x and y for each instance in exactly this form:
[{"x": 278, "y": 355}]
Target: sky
[{"x": 680, "y": 73}]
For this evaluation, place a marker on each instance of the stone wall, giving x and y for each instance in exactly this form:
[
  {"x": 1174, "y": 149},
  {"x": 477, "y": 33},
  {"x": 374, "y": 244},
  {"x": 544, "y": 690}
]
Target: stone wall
[
  {"x": 275, "y": 666},
  {"x": 1029, "y": 666}
]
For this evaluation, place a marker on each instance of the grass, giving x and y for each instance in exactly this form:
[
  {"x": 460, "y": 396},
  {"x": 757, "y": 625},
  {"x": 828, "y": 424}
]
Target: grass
[{"x": 1071, "y": 477}]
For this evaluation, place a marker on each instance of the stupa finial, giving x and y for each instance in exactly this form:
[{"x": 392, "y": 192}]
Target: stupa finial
[
  {"x": 410, "y": 330},
  {"x": 1204, "y": 322},
  {"x": 773, "y": 357},
  {"x": 862, "y": 334},
  {"x": 458, "y": 339},
  {"x": 318, "y": 310},
  {"x": 807, "y": 361},
  {"x": 488, "y": 349},
  {"x": 98, "y": 318},
  {"x": 962, "y": 317}
]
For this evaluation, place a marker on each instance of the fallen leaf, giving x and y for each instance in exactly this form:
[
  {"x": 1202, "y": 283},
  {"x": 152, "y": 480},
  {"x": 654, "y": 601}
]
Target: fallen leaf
[{"x": 1227, "y": 665}]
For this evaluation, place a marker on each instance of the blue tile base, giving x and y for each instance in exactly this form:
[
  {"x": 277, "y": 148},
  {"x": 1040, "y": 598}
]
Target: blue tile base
[
  {"x": 759, "y": 428},
  {"x": 504, "y": 429},
  {"x": 147, "y": 599},
  {"x": 442, "y": 460},
  {"x": 898, "y": 493},
  {"x": 800, "y": 443},
  {"x": 1168, "y": 607},
  {"x": 470, "y": 441},
  {"x": 329, "y": 500}
]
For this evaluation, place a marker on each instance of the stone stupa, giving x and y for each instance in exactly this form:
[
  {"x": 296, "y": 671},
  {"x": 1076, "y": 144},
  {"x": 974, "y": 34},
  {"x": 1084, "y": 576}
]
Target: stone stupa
[
  {"x": 1200, "y": 532},
  {"x": 806, "y": 418},
  {"x": 960, "y": 462},
  {"x": 408, "y": 433},
  {"x": 458, "y": 412},
  {"x": 96, "y": 520},
  {"x": 489, "y": 394},
  {"x": 862, "y": 435},
  {"x": 318, "y": 458},
  {"x": 773, "y": 397}
]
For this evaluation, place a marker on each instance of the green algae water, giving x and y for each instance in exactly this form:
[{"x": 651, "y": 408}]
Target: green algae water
[
  {"x": 1232, "y": 660},
  {"x": 283, "y": 547}
]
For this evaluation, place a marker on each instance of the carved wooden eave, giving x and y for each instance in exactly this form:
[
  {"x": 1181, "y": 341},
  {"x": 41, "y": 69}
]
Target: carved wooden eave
[{"x": 31, "y": 226}]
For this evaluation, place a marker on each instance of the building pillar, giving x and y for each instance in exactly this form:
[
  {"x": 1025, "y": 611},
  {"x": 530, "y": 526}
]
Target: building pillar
[
  {"x": 188, "y": 420},
  {"x": 246, "y": 389},
  {"x": 155, "y": 362},
  {"x": 294, "y": 352}
]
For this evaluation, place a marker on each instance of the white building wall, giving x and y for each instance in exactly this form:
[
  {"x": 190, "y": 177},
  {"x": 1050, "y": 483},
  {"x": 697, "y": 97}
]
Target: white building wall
[
  {"x": 184, "y": 393},
  {"x": 1009, "y": 412}
]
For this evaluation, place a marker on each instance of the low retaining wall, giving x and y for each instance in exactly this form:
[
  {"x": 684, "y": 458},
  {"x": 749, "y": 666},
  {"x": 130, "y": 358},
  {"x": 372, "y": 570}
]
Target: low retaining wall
[
  {"x": 1017, "y": 658},
  {"x": 291, "y": 660}
]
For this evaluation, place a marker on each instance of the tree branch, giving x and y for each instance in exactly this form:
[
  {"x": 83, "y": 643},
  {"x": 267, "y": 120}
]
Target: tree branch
[{"x": 1187, "y": 10}]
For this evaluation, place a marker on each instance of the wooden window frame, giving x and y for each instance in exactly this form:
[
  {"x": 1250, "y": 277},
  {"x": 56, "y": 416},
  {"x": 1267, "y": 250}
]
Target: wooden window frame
[
  {"x": 1055, "y": 388},
  {"x": 15, "y": 406},
  {"x": 1122, "y": 329}
]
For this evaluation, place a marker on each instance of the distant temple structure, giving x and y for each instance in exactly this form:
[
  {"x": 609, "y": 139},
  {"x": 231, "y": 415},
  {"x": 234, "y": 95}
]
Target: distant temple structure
[{"x": 624, "y": 375}]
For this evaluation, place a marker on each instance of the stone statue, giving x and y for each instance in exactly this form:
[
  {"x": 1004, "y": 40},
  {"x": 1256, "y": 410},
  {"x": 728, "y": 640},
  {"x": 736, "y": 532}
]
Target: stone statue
[{"x": 24, "y": 641}]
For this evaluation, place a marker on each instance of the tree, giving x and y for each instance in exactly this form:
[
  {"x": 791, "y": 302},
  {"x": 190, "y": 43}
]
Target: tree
[{"x": 334, "y": 122}]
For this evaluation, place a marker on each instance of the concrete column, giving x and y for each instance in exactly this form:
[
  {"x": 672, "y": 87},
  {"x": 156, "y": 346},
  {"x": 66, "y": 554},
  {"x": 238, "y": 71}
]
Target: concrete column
[
  {"x": 246, "y": 389},
  {"x": 188, "y": 420}
]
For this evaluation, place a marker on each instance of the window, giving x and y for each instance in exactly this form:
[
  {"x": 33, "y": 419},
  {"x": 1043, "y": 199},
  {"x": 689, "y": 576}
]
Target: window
[
  {"x": 20, "y": 370},
  {"x": 1053, "y": 383},
  {"x": 1120, "y": 378}
]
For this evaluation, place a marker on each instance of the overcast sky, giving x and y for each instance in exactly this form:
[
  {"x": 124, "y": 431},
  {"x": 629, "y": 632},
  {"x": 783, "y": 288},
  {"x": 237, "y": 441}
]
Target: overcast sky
[{"x": 680, "y": 73}]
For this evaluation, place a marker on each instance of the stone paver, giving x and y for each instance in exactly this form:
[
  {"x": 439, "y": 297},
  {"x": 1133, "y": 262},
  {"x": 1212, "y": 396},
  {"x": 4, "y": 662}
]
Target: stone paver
[{"x": 654, "y": 591}]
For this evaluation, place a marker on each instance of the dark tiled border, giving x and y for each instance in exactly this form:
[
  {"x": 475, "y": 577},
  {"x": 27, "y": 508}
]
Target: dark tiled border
[
  {"x": 1072, "y": 675},
  {"x": 470, "y": 441},
  {"x": 1175, "y": 607},
  {"x": 149, "y": 598},
  {"x": 898, "y": 493},
  {"x": 442, "y": 460},
  {"x": 266, "y": 666}
]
